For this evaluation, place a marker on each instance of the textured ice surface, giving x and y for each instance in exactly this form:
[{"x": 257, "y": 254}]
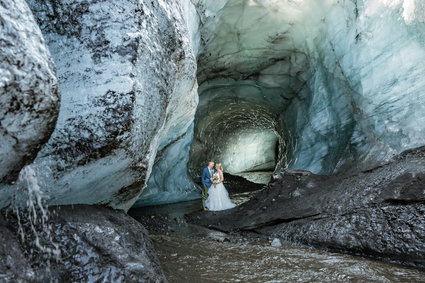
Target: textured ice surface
[
  {"x": 126, "y": 71},
  {"x": 169, "y": 180},
  {"x": 376, "y": 53},
  {"x": 349, "y": 72},
  {"x": 338, "y": 83},
  {"x": 29, "y": 92}
]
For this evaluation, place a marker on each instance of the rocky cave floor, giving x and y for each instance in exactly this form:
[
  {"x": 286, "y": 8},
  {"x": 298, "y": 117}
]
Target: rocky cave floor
[{"x": 365, "y": 226}]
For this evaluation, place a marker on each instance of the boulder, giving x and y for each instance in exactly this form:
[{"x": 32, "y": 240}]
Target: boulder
[
  {"x": 81, "y": 243},
  {"x": 14, "y": 265}
]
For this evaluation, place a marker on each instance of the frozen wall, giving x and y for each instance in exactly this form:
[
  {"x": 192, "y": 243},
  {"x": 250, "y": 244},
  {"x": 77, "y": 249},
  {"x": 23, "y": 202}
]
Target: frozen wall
[
  {"x": 169, "y": 181},
  {"x": 126, "y": 69},
  {"x": 29, "y": 91},
  {"x": 335, "y": 83},
  {"x": 366, "y": 95},
  {"x": 348, "y": 71},
  {"x": 375, "y": 48}
]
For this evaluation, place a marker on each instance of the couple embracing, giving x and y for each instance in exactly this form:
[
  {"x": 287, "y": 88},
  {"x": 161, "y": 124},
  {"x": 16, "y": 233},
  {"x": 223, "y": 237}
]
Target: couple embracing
[{"x": 214, "y": 194}]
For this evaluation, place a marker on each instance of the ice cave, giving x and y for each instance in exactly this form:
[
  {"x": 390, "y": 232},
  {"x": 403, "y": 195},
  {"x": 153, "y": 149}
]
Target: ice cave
[
  {"x": 307, "y": 76},
  {"x": 110, "y": 110}
]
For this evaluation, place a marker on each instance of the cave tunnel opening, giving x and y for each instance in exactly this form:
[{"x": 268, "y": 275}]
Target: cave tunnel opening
[
  {"x": 294, "y": 74},
  {"x": 238, "y": 124},
  {"x": 253, "y": 73},
  {"x": 263, "y": 86}
]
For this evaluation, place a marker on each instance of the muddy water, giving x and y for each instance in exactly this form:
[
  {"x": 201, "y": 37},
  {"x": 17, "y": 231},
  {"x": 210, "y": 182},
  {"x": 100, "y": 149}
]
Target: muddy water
[
  {"x": 190, "y": 253},
  {"x": 207, "y": 260}
]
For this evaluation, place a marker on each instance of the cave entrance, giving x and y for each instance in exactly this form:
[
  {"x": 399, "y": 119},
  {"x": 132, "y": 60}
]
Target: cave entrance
[
  {"x": 252, "y": 74},
  {"x": 251, "y": 153},
  {"x": 237, "y": 124}
]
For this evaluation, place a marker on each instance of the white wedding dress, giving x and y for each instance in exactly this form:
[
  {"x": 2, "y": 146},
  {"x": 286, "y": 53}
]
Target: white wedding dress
[{"x": 218, "y": 197}]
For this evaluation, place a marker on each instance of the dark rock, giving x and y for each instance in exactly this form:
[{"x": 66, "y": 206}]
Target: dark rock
[
  {"x": 102, "y": 243},
  {"x": 97, "y": 244},
  {"x": 378, "y": 213},
  {"x": 14, "y": 266},
  {"x": 236, "y": 184}
]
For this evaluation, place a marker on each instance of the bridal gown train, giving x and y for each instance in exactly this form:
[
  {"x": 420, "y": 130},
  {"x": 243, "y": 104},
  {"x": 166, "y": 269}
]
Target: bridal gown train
[{"x": 218, "y": 198}]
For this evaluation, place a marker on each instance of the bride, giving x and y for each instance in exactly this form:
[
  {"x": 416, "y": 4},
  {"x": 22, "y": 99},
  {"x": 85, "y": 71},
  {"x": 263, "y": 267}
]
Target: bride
[{"x": 218, "y": 197}]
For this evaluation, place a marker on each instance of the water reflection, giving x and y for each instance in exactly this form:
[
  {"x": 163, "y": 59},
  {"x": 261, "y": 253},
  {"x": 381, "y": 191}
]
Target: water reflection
[
  {"x": 189, "y": 253},
  {"x": 205, "y": 260}
]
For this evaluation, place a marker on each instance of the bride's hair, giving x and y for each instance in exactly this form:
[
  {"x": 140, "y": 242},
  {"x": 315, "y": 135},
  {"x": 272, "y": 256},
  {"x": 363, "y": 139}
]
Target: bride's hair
[{"x": 218, "y": 166}]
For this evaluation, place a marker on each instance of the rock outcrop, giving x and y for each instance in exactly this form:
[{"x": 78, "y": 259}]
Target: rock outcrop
[
  {"x": 96, "y": 244},
  {"x": 14, "y": 265},
  {"x": 377, "y": 213},
  {"x": 29, "y": 90}
]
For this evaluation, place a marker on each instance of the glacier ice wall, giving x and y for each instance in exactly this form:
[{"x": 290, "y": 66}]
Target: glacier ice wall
[
  {"x": 348, "y": 70},
  {"x": 366, "y": 95},
  {"x": 29, "y": 91},
  {"x": 375, "y": 47},
  {"x": 125, "y": 70},
  {"x": 169, "y": 180}
]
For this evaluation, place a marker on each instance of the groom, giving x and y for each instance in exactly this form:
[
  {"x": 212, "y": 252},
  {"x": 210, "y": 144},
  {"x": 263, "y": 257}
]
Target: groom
[{"x": 207, "y": 175}]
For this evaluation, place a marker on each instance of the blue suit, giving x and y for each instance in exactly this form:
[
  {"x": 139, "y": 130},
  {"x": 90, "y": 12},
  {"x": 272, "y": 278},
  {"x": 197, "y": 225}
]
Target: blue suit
[{"x": 206, "y": 177}]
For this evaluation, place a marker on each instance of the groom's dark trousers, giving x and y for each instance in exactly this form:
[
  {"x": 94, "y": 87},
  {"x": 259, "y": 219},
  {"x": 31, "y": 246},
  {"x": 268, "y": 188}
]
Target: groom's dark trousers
[
  {"x": 206, "y": 183},
  {"x": 204, "y": 191}
]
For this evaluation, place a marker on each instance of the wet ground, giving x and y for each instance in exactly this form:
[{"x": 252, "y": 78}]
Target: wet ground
[{"x": 190, "y": 253}]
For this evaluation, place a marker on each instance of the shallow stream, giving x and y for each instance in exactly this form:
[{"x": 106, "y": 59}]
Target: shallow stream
[
  {"x": 206, "y": 260},
  {"x": 190, "y": 253}
]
